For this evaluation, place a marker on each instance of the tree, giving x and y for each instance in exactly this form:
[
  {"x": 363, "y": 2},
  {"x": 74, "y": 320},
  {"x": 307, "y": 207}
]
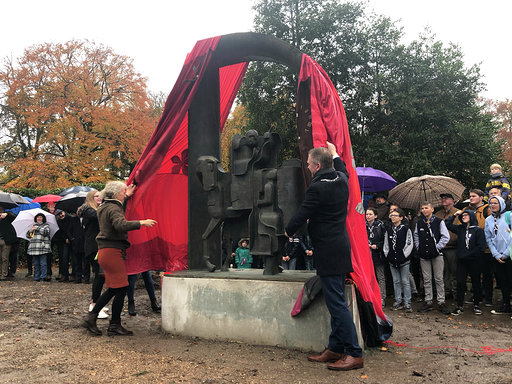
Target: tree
[
  {"x": 234, "y": 125},
  {"x": 410, "y": 107},
  {"x": 501, "y": 111},
  {"x": 71, "y": 113}
]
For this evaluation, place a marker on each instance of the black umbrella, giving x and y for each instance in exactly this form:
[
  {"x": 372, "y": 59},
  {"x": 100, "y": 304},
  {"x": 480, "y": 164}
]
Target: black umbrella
[
  {"x": 71, "y": 201},
  {"x": 7, "y": 201},
  {"x": 77, "y": 189}
]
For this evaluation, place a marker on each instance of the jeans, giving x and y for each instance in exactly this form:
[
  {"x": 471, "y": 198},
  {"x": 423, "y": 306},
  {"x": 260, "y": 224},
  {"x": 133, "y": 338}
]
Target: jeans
[
  {"x": 380, "y": 274},
  {"x": 39, "y": 266},
  {"x": 290, "y": 264},
  {"x": 343, "y": 337},
  {"x": 401, "y": 283},
  {"x": 487, "y": 268},
  {"x": 148, "y": 283},
  {"x": 437, "y": 265}
]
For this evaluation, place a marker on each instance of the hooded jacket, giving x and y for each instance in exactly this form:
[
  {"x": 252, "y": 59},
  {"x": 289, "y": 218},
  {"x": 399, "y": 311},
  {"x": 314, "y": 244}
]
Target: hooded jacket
[
  {"x": 470, "y": 238},
  {"x": 499, "y": 181},
  {"x": 497, "y": 232}
]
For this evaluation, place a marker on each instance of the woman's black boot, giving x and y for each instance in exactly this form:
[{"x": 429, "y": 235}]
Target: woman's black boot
[
  {"x": 131, "y": 308},
  {"x": 154, "y": 306},
  {"x": 115, "y": 328},
  {"x": 89, "y": 322}
]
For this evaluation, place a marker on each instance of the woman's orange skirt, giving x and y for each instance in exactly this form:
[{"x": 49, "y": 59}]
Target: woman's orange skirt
[{"x": 112, "y": 262}]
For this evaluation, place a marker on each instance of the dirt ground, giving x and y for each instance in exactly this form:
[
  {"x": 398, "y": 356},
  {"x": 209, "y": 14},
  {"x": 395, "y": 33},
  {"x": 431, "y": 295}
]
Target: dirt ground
[{"x": 41, "y": 341}]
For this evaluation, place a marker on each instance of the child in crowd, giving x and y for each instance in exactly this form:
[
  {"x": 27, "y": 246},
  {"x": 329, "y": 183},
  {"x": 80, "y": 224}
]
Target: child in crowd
[
  {"x": 243, "y": 258},
  {"x": 470, "y": 252},
  {"x": 497, "y": 180},
  {"x": 294, "y": 249},
  {"x": 39, "y": 246},
  {"x": 430, "y": 237},
  {"x": 398, "y": 244},
  {"x": 375, "y": 231}
]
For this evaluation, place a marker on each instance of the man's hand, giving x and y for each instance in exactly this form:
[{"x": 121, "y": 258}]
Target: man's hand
[{"x": 332, "y": 149}]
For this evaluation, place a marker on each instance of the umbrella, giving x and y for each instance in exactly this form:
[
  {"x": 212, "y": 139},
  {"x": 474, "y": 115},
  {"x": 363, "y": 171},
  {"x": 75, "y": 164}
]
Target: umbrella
[
  {"x": 411, "y": 193},
  {"x": 47, "y": 199},
  {"x": 71, "y": 201},
  {"x": 79, "y": 188},
  {"x": 18, "y": 199},
  {"x": 374, "y": 180},
  {"x": 25, "y": 220},
  {"x": 24, "y": 207},
  {"x": 7, "y": 201}
]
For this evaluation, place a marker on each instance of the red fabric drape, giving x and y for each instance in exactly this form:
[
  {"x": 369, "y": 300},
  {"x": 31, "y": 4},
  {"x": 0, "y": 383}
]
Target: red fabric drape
[
  {"x": 161, "y": 173},
  {"x": 329, "y": 123}
]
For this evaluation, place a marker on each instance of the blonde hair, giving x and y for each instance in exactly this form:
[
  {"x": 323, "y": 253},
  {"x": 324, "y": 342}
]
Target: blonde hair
[
  {"x": 496, "y": 165},
  {"x": 89, "y": 199}
]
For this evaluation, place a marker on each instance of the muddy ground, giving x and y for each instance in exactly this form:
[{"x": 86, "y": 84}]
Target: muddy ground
[{"x": 41, "y": 341}]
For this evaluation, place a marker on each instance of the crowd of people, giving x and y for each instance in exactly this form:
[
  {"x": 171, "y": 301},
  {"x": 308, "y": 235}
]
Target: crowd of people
[
  {"x": 94, "y": 238},
  {"x": 440, "y": 250}
]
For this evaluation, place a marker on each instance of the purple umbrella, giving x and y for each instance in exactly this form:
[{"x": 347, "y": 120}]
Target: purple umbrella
[{"x": 374, "y": 180}]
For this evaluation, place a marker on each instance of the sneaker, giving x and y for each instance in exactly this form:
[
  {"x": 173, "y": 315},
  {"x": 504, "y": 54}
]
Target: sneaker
[
  {"x": 469, "y": 300},
  {"x": 397, "y": 306},
  {"x": 457, "y": 311},
  {"x": 501, "y": 311},
  {"x": 408, "y": 308},
  {"x": 103, "y": 314},
  {"x": 443, "y": 309},
  {"x": 477, "y": 310},
  {"x": 488, "y": 303},
  {"x": 426, "y": 307}
]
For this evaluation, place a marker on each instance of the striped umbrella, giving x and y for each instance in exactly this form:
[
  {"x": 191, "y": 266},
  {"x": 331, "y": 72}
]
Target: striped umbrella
[{"x": 411, "y": 193}]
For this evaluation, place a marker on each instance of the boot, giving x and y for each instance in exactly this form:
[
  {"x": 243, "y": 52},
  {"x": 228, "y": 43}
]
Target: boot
[
  {"x": 209, "y": 265},
  {"x": 115, "y": 328},
  {"x": 89, "y": 322},
  {"x": 131, "y": 308},
  {"x": 154, "y": 306}
]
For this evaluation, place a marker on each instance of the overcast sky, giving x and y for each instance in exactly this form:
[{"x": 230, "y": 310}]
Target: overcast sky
[{"x": 158, "y": 34}]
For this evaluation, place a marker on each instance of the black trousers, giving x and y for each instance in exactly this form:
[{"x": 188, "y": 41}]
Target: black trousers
[
  {"x": 465, "y": 267},
  {"x": 504, "y": 277}
]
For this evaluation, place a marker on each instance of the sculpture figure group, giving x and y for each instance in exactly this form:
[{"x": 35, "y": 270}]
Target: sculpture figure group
[{"x": 245, "y": 202}]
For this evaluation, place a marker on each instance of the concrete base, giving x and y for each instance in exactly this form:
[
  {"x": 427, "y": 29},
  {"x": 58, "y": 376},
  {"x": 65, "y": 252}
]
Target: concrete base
[{"x": 244, "y": 305}]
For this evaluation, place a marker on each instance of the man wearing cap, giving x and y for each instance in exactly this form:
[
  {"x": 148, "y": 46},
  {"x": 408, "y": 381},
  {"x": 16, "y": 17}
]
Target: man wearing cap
[
  {"x": 450, "y": 250},
  {"x": 382, "y": 207}
]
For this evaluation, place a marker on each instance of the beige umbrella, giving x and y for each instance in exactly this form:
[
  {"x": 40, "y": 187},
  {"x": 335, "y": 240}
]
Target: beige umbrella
[{"x": 411, "y": 193}]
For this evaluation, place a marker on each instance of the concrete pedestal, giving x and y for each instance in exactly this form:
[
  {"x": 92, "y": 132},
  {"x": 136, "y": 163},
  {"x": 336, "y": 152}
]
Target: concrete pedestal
[{"x": 244, "y": 305}]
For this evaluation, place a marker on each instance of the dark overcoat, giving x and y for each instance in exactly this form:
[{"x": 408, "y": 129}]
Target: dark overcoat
[{"x": 325, "y": 205}]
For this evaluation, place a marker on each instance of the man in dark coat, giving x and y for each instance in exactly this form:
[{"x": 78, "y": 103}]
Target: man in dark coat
[{"x": 325, "y": 206}]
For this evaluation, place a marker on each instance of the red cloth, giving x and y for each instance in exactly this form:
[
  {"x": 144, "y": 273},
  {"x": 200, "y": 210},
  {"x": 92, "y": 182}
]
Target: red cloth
[
  {"x": 161, "y": 174},
  {"x": 329, "y": 123}
]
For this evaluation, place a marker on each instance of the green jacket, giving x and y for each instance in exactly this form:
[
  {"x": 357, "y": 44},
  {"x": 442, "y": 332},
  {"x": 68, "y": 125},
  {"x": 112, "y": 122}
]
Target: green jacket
[{"x": 243, "y": 258}]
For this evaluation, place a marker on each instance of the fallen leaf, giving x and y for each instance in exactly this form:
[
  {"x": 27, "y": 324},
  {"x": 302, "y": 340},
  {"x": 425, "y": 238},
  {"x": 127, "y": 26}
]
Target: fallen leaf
[
  {"x": 383, "y": 349},
  {"x": 364, "y": 376}
]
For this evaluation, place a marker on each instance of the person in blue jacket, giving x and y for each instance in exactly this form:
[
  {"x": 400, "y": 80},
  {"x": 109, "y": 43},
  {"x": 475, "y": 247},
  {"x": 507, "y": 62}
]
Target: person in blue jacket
[
  {"x": 497, "y": 234},
  {"x": 470, "y": 252}
]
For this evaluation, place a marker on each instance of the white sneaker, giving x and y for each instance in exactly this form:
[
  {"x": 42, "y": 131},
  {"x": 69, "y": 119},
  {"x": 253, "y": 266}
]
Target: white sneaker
[{"x": 103, "y": 314}]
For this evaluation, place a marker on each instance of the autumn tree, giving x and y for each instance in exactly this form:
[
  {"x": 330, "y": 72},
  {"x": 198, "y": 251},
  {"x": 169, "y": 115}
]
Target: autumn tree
[
  {"x": 72, "y": 113},
  {"x": 235, "y": 124},
  {"x": 502, "y": 114},
  {"x": 412, "y": 109}
]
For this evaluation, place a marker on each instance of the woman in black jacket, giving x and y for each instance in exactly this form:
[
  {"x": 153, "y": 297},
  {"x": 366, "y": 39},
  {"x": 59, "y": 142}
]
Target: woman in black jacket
[
  {"x": 91, "y": 229},
  {"x": 470, "y": 249}
]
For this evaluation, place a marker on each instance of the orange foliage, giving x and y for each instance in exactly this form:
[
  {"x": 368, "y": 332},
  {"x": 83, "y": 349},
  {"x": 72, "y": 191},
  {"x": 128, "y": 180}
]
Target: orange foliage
[
  {"x": 73, "y": 113},
  {"x": 503, "y": 114},
  {"x": 234, "y": 124}
]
